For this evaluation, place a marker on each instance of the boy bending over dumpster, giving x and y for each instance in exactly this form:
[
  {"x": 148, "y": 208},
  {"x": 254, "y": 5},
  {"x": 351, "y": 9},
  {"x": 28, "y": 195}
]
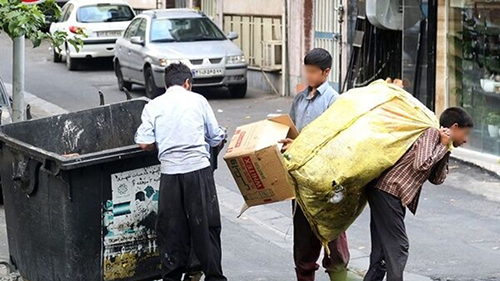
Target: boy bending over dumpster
[
  {"x": 307, "y": 106},
  {"x": 399, "y": 188},
  {"x": 181, "y": 125}
]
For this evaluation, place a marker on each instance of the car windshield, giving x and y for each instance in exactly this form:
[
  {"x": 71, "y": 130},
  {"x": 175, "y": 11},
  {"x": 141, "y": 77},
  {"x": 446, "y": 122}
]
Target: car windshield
[
  {"x": 185, "y": 30},
  {"x": 104, "y": 13}
]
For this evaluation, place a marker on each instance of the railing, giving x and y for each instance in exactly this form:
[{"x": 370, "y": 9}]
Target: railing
[{"x": 253, "y": 30}]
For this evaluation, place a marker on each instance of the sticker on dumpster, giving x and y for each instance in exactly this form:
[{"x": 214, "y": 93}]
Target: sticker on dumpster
[{"x": 129, "y": 221}]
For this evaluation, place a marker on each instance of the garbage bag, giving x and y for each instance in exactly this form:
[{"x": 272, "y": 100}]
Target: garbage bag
[{"x": 366, "y": 131}]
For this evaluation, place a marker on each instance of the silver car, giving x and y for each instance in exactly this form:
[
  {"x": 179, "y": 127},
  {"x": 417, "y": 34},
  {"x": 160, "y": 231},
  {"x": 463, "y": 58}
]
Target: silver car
[{"x": 157, "y": 38}]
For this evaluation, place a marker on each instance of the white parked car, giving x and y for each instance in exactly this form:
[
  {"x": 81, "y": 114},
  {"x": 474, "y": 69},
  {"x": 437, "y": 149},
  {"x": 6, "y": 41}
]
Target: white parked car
[
  {"x": 103, "y": 22},
  {"x": 157, "y": 38}
]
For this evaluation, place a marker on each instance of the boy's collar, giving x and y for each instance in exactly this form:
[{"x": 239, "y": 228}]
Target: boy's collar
[{"x": 321, "y": 89}]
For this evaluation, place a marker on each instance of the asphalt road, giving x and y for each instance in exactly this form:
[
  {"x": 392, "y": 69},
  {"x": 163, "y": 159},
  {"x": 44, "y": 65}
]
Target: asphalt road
[{"x": 454, "y": 236}]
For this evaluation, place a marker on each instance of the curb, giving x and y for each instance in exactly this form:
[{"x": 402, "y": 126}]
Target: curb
[
  {"x": 39, "y": 107},
  {"x": 487, "y": 162}
]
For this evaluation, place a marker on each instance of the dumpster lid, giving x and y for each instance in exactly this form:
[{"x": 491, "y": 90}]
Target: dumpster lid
[{"x": 81, "y": 138}]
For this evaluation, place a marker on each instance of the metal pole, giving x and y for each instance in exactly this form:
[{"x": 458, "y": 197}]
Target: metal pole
[
  {"x": 340, "y": 14},
  {"x": 284, "y": 51},
  {"x": 18, "y": 106}
]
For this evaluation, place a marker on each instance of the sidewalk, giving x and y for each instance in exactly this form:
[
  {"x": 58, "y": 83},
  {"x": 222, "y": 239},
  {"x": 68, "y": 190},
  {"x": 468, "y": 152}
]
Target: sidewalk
[{"x": 265, "y": 222}]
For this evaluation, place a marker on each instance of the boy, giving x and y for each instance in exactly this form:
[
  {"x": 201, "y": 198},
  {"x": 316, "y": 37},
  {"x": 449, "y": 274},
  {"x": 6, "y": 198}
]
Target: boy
[
  {"x": 307, "y": 106},
  {"x": 182, "y": 126},
  {"x": 400, "y": 186}
]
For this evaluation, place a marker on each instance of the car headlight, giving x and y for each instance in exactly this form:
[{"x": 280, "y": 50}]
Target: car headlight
[
  {"x": 235, "y": 59},
  {"x": 166, "y": 62}
]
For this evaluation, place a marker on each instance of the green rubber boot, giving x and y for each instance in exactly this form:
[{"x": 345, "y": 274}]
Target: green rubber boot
[{"x": 338, "y": 276}]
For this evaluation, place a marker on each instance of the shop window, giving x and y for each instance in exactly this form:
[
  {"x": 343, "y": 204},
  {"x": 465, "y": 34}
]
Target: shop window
[{"x": 473, "y": 61}]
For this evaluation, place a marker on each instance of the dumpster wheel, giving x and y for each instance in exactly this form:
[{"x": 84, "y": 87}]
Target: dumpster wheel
[
  {"x": 11, "y": 275},
  {"x": 7, "y": 265}
]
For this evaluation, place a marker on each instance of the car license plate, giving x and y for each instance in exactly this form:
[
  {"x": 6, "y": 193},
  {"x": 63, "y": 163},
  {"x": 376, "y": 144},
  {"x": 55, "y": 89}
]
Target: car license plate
[
  {"x": 109, "y": 33},
  {"x": 208, "y": 72}
]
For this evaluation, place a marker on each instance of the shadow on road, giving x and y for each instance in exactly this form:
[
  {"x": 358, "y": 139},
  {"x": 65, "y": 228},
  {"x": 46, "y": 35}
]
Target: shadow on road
[{"x": 96, "y": 64}]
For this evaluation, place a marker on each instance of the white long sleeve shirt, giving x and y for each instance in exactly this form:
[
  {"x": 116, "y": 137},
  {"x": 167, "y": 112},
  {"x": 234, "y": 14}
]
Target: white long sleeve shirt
[{"x": 183, "y": 126}]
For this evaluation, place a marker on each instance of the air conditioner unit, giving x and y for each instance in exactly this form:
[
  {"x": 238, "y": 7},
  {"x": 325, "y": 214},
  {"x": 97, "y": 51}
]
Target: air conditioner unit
[
  {"x": 272, "y": 55},
  {"x": 388, "y": 14}
]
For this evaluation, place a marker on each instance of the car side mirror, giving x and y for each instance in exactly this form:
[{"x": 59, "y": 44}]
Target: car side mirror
[
  {"x": 137, "y": 40},
  {"x": 232, "y": 35}
]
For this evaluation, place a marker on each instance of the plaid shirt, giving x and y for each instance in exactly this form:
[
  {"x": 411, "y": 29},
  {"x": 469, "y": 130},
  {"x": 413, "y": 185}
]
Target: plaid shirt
[{"x": 426, "y": 160}]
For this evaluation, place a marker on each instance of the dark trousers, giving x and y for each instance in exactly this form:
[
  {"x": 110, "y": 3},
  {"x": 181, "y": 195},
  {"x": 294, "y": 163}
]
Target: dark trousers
[
  {"x": 307, "y": 249},
  {"x": 189, "y": 219},
  {"x": 389, "y": 240}
]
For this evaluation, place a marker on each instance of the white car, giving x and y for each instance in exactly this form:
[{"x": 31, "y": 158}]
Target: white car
[{"x": 103, "y": 22}]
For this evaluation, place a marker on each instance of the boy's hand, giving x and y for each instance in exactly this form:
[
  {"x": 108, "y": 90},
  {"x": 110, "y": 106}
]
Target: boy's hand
[
  {"x": 286, "y": 144},
  {"x": 445, "y": 134}
]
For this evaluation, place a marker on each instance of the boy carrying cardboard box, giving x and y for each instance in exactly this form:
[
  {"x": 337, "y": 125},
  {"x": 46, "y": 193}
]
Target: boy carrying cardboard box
[{"x": 307, "y": 106}]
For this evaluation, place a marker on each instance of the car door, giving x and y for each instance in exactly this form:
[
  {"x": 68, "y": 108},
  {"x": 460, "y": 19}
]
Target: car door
[
  {"x": 136, "y": 53},
  {"x": 123, "y": 48}
]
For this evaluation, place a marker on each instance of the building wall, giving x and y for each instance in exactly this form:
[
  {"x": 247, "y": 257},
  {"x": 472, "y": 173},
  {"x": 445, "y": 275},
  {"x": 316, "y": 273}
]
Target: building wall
[
  {"x": 146, "y": 4},
  {"x": 296, "y": 43},
  {"x": 254, "y": 7},
  {"x": 259, "y": 24}
]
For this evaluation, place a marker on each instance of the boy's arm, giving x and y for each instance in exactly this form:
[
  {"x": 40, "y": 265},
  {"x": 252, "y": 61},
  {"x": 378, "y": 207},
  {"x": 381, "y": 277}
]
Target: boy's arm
[
  {"x": 439, "y": 173},
  {"x": 214, "y": 134},
  {"x": 145, "y": 135},
  {"x": 430, "y": 150}
]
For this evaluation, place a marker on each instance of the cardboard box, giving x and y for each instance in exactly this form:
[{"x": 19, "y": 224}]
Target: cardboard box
[{"x": 255, "y": 160}]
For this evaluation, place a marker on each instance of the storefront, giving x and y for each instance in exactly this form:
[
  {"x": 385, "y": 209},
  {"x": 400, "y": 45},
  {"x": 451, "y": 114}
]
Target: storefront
[{"x": 472, "y": 62}]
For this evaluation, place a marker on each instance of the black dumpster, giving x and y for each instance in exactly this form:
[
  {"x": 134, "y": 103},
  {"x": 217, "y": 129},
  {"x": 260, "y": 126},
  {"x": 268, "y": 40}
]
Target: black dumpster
[{"x": 80, "y": 197}]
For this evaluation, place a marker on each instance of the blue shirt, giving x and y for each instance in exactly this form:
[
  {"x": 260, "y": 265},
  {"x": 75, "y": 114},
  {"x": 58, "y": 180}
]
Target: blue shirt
[
  {"x": 183, "y": 126},
  {"x": 305, "y": 108}
]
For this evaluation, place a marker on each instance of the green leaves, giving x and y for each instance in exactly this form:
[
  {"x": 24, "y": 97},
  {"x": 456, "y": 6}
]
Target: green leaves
[{"x": 18, "y": 19}]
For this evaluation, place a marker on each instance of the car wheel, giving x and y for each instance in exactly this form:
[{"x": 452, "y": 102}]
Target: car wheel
[
  {"x": 238, "y": 91},
  {"x": 151, "y": 90},
  {"x": 71, "y": 63},
  {"x": 122, "y": 84},
  {"x": 55, "y": 56}
]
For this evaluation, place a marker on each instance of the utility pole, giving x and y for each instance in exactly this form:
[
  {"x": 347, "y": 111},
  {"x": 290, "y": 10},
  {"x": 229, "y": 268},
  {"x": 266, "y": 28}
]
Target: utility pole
[{"x": 18, "y": 105}]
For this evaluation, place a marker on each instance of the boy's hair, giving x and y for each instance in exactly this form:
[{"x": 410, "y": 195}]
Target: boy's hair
[
  {"x": 456, "y": 115},
  {"x": 176, "y": 74},
  {"x": 319, "y": 57}
]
